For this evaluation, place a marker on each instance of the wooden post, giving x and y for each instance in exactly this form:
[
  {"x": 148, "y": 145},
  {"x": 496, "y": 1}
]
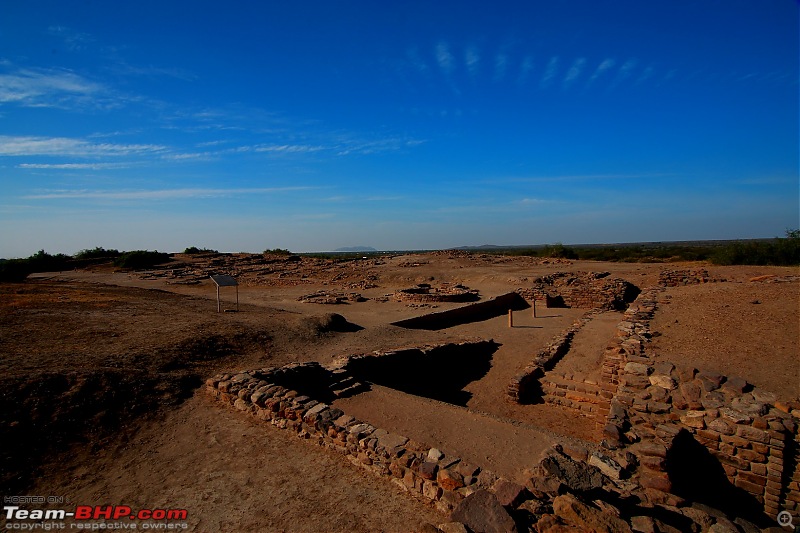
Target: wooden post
[
  {"x": 534, "y": 308},
  {"x": 237, "y": 298},
  {"x": 218, "y": 306},
  {"x": 510, "y": 318}
]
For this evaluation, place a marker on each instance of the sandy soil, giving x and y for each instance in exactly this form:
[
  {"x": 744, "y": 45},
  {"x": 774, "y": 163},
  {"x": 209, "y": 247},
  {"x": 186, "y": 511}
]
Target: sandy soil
[
  {"x": 583, "y": 358},
  {"x": 99, "y": 372},
  {"x": 233, "y": 474},
  {"x": 739, "y": 328}
]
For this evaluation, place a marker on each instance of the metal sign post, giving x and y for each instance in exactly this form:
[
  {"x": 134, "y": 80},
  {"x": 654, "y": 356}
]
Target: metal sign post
[{"x": 221, "y": 280}]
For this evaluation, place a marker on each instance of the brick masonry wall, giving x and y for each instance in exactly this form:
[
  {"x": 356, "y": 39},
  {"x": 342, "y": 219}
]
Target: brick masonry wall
[
  {"x": 525, "y": 384},
  {"x": 674, "y": 278},
  {"x": 752, "y": 434},
  {"x": 422, "y": 471},
  {"x": 581, "y": 290}
]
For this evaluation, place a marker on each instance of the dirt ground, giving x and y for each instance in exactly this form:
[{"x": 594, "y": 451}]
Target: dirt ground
[{"x": 100, "y": 372}]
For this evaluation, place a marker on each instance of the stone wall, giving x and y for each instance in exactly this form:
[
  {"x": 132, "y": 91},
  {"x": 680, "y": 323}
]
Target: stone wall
[
  {"x": 751, "y": 434},
  {"x": 525, "y": 387},
  {"x": 657, "y": 411},
  {"x": 416, "y": 468},
  {"x": 581, "y": 290},
  {"x": 674, "y": 278},
  {"x": 491, "y": 308},
  {"x": 424, "y": 293}
]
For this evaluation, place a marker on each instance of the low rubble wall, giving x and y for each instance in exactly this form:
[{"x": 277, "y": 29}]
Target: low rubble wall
[
  {"x": 525, "y": 386},
  {"x": 414, "y": 467},
  {"x": 651, "y": 408},
  {"x": 674, "y": 278},
  {"x": 581, "y": 290},
  {"x": 747, "y": 430},
  {"x": 469, "y": 313}
]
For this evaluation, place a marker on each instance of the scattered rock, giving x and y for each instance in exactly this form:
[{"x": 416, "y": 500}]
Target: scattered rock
[
  {"x": 637, "y": 369},
  {"x": 694, "y": 419},
  {"x": 573, "y": 511},
  {"x": 453, "y": 527},
  {"x": 449, "y": 480},
  {"x": 544, "y": 486},
  {"x": 606, "y": 465},
  {"x": 643, "y": 524},
  {"x": 662, "y": 381},
  {"x": 427, "y": 470},
  {"x": 509, "y": 494},
  {"x": 481, "y": 511},
  {"x": 434, "y": 454},
  {"x": 578, "y": 477}
]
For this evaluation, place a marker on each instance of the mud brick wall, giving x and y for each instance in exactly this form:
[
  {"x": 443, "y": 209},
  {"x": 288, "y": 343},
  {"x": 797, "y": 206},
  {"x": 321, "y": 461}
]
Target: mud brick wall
[
  {"x": 524, "y": 387},
  {"x": 593, "y": 397},
  {"x": 423, "y": 471},
  {"x": 583, "y": 395},
  {"x": 581, "y": 290},
  {"x": 428, "y": 294},
  {"x": 491, "y": 308},
  {"x": 673, "y": 278},
  {"x": 752, "y": 434}
]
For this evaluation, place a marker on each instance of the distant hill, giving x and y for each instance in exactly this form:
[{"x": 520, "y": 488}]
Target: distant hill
[{"x": 356, "y": 249}]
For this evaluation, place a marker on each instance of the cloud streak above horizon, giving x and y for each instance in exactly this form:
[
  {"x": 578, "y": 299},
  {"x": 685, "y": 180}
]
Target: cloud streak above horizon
[{"x": 162, "y": 194}]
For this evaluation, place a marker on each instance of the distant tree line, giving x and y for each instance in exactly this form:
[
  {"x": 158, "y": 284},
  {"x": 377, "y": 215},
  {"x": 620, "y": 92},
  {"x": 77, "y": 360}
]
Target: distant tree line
[
  {"x": 15, "y": 270},
  {"x": 778, "y": 251},
  {"x": 781, "y": 251}
]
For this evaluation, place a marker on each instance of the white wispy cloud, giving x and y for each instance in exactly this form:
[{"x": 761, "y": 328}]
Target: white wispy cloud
[
  {"x": 160, "y": 194},
  {"x": 500, "y": 66},
  {"x": 646, "y": 74},
  {"x": 74, "y": 40},
  {"x": 289, "y": 148},
  {"x": 444, "y": 58},
  {"x": 603, "y": 67},
  {"x": 64, "y": 146},
  {"x": 472, "y": 60},
  {"x": 74, "y": 166},
  {"x": 127, "y": 69},
  {"x": 348, "y": 145},
  {"x": 416, "y": 61},
  {"x": 50, "y": 88},
  {"x": 574, "y": 71},
  {"x": 533, "y": 201},
  {"x": 583, "y": 177},
  {"x": 188, "y": 156},
  {"x": 668, "y": 76},
  {"x": 624, "y": 72},
  {"x": 525, "y": 70},
  {"x": 549, "y": 72}
]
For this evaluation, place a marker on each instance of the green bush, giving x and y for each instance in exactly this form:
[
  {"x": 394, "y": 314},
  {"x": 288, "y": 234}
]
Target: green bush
[
  {"x": 191, "y": 250},
  {"x": 141, "y": 259},
  {"x": 97, "y": 253},
  {"x": 41, "y": 261},
  {"x": 14, "y": 270},
  {"x": 558, "y": 250},
  {"x": 277, "y": 251},
  {"x": 779, "y": 251}
]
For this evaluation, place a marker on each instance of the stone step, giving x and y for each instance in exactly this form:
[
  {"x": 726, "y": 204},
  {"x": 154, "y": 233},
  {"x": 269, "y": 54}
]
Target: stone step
[
  {"x": 350, "y": 390},
  {"x": 556, "y": 382}
]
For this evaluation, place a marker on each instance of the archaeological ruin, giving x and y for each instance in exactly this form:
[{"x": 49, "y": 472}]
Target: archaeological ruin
[{"x": 668, "y": 433}]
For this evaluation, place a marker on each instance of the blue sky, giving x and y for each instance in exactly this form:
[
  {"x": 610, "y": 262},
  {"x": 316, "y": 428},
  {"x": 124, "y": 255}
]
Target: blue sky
[{"x": 317, "y": 125}]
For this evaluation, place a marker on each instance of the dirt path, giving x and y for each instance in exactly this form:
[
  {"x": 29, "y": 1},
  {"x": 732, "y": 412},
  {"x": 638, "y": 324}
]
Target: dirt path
[
  {"x": 585, "y": 353},
  {"x": 233, "y": 473},
  {"x": 504, "y": 448}
]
